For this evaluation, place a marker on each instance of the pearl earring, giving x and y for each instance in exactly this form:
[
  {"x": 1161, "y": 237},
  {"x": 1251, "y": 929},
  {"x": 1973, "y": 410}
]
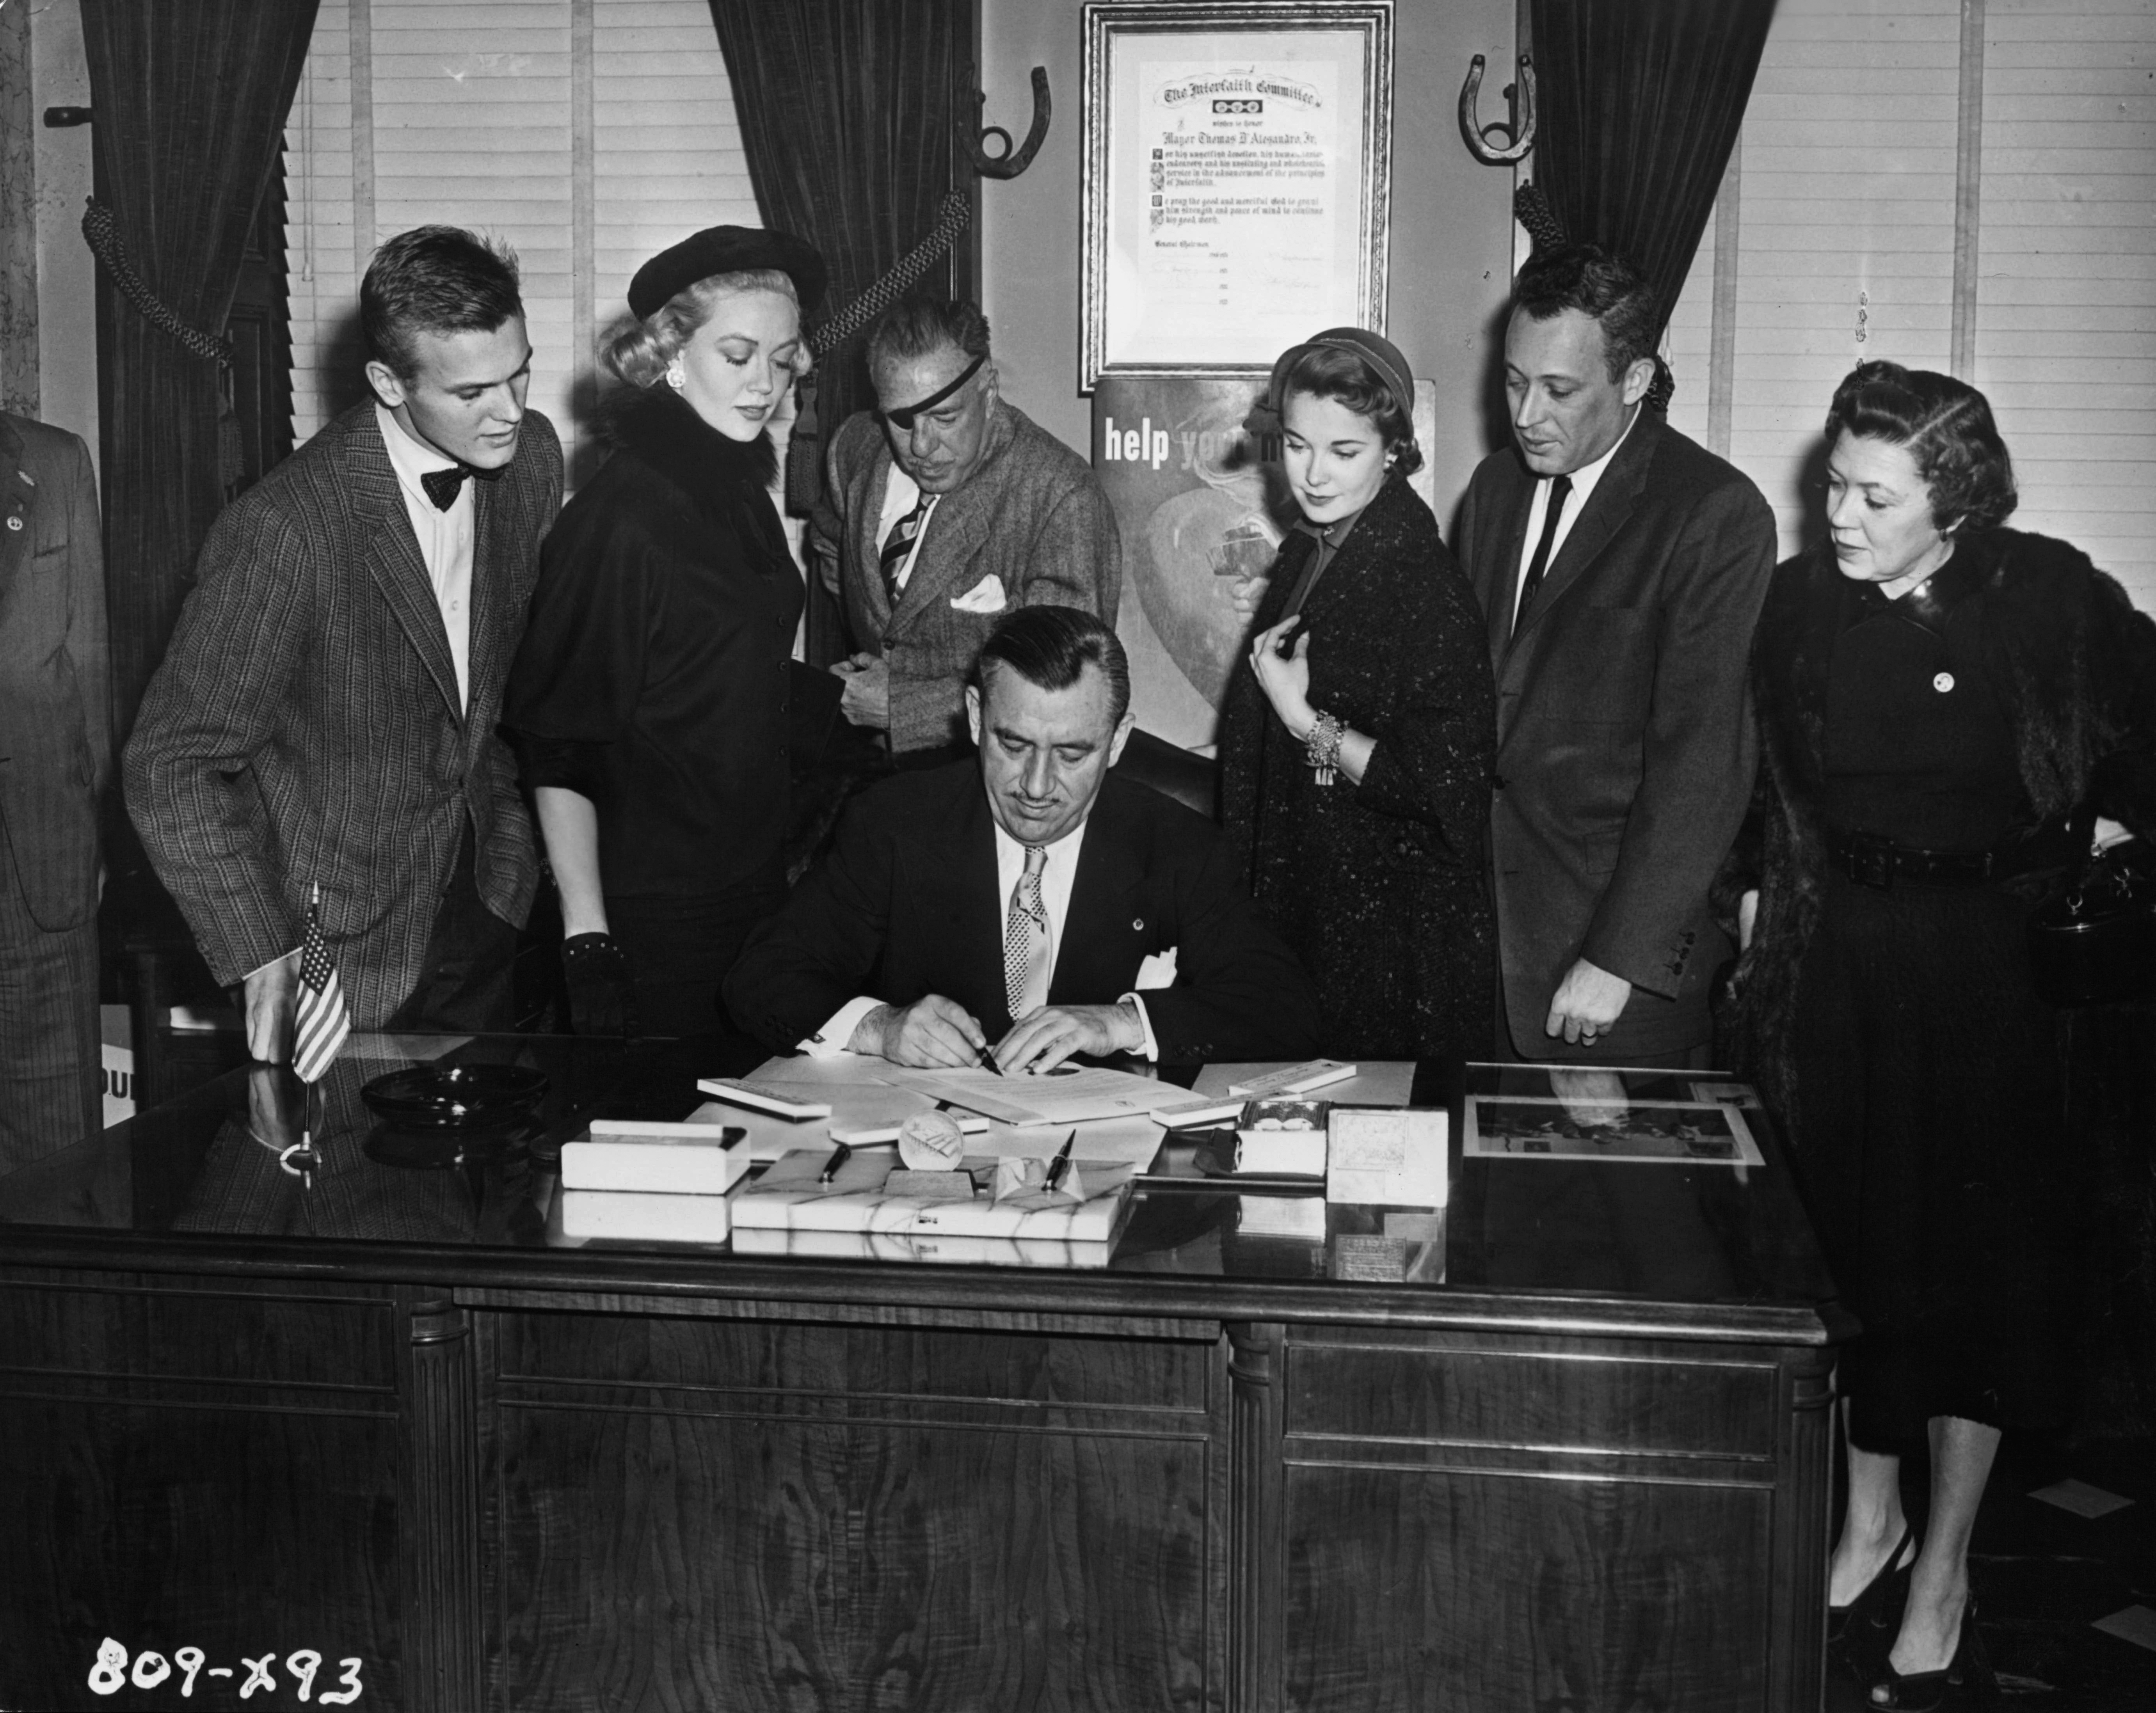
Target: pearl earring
[{"x": 675, "y": 378}]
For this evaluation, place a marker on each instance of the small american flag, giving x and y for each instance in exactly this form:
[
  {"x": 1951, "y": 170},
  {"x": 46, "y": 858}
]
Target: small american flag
[{"x": 323, "y": 1022}]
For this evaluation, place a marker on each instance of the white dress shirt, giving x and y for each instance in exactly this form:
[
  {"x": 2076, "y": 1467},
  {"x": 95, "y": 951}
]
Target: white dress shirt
[
  {"x": 445, "y": 538},
  {"x": 1059, "y": 873},
  {"x": 1583, "y": 482},
  {"x": 900, "y": 495}
]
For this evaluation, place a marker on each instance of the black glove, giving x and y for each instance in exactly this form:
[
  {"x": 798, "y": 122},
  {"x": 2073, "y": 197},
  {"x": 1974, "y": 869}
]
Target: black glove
[{"x": 601, "y": 995}]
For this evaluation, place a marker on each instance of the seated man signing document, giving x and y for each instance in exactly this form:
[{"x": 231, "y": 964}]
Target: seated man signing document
[{"x": 1012, "y": 899}]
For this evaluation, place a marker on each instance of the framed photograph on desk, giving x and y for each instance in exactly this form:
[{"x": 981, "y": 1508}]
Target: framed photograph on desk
[{"x": 1236, "y": 179}]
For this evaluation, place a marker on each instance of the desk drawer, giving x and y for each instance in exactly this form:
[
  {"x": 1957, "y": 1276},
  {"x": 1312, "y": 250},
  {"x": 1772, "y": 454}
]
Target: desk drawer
[{"x": 1647, "y": 1404}]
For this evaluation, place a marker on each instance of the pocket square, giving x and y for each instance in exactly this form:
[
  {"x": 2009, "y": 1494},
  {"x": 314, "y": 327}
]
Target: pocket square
[
  {"x": 986, "y": 596},
  {"x": 1158, "y": 971}
]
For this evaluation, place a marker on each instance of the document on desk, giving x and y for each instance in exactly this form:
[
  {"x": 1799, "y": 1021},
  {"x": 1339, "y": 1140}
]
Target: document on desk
[
  {"x": 1065, "y": 1095},
  {"x": 1377, "y": 1082}
]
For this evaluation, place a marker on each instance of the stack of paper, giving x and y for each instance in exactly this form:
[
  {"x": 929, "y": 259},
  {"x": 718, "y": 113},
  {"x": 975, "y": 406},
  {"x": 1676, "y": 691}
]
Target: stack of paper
[
  {"x": 701, "y": 1157},
  {"x": 790, "y": 1197},
  {"x": 1388, "y": 1159},
  {"x": 636, "y": 1180}
]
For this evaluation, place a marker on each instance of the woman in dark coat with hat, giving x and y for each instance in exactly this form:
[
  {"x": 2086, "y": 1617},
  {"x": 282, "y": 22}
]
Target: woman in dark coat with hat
[
  {"x": 651, "y": 700},
  {"x": 1356, "y": 751},
  {"x": 1945, "y": 705}
]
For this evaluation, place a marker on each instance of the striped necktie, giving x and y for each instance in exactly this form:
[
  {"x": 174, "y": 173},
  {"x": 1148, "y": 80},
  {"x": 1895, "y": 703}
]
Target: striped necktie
[
  {"x": 1025, "y": 938},
  {"x": 899, "y": 543}
]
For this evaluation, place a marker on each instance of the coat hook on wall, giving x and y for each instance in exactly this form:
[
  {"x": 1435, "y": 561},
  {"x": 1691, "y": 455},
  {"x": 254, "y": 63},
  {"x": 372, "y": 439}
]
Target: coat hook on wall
[
  {"x": 1011, "y": 160},
  {"x": 1518, "y": 129}
]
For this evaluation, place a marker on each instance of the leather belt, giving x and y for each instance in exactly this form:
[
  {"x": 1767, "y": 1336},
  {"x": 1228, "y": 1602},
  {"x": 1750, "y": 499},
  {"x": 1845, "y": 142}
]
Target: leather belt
[{"x": 1870, "y": 860}]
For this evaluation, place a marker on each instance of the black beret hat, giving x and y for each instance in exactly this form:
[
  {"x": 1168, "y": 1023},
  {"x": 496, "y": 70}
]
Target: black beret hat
[{"x": 726, "y": 249}]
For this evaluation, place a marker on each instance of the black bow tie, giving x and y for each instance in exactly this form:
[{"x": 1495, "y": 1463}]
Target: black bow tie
[{"x": 442, "y": 485}]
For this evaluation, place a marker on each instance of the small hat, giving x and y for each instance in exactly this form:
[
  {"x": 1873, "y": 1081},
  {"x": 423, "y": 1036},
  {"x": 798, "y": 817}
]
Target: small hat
[
  {"x": 1380, "y": 353},
  {"x": 726, "y": 249}
]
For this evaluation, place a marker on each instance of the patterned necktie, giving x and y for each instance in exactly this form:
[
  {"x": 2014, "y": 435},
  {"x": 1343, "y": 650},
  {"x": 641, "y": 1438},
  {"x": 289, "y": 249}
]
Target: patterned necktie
[
  {"x": 1025, "y": 938},
  {"x": 899, "y": 543},
  {"x": 1560, "y": 490},
  {"x": 442, "y": 485}
]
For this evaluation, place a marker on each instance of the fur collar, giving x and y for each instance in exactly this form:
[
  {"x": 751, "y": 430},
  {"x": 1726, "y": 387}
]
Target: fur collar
[
  {"x": 2070, "y": 660},
  {"x": 708, "y": 467}
]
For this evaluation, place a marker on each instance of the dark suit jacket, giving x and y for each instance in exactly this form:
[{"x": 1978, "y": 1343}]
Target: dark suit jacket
[
  {"x": 1625, "y": 747},
  {"x": 55, "y": 708},
  {"x": 907, "y": 904},
  {"x": 305, "y": 726},
  {"x": 1032, "y": 517}
]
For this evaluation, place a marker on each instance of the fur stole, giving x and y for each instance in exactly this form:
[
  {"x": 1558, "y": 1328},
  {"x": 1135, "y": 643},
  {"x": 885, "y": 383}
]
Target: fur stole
[{"x": 2073, "y": 661}]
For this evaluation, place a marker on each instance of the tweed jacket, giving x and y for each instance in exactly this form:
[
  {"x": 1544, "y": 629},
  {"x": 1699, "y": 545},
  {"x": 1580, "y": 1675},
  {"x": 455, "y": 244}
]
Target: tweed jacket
[
  {"x": 1625, "y": 746},
  {"x": 55, "y": 710},
  {"x": 304, "y": 730},
  {"x": 1032, "y": 517},
  {"x": 906, "y": 903},
  {"x": 2070, "y": 658}
]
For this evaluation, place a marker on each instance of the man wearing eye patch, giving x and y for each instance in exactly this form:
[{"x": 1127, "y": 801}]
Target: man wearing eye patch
[{"x": 955, "y": 509}]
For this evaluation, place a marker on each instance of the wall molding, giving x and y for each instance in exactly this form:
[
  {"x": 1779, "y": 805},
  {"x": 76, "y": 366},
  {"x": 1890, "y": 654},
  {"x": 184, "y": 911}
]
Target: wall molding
[
  {"x": 1722, "y": 333},
  {"x": 1968, "y": 190},
  {"x": 360, "y": 32}
]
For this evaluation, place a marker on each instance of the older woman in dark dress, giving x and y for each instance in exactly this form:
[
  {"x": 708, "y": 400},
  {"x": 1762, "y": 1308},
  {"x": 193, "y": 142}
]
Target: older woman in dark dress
[
  {"x": 1944, "y": 702},
  {"x": 1355, "y": 753},
  {"x": 650, "y": 699}
]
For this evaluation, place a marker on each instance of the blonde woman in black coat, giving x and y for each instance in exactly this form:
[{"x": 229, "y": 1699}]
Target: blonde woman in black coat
[
  {"x": 1356, "y": 749},
  {"x": 651, "y": 699}
]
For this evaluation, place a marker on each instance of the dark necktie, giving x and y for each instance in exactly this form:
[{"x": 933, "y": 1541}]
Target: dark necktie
[
  {"x": 1560, "y": 491},
  {"x": 442, "y": 485},
  {"x": 899, "y": 543}
]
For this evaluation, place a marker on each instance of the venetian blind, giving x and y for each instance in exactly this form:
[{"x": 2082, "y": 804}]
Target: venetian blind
[
  {"x": 588, "y": 134},
  {"x": 1845, "y": 225},
  {"x": 2065, "y": 326}
]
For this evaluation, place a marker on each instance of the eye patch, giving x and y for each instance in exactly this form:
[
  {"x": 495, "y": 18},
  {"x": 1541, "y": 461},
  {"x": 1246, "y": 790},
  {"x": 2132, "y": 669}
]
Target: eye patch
[{"x": 901, "y": 416}]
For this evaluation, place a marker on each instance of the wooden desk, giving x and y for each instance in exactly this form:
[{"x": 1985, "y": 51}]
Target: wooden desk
[{"x": 373, "y": 1415}]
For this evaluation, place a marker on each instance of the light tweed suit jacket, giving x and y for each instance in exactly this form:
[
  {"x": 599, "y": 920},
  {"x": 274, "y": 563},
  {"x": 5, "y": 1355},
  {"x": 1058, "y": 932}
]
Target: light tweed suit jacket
[
  {"x": 304, "y": 730},
  {"x": 1032, "y": 517}
]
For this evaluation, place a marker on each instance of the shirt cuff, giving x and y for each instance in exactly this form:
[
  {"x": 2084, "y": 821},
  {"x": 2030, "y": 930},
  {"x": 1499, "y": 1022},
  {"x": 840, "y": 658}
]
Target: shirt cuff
[
  {"x": 833, "y": 1039},
  {"x": 1151, "y": 1049}
]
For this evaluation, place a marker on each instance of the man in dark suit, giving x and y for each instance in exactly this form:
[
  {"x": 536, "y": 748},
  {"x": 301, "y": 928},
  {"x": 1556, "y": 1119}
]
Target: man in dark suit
[
  {"x": 1027, "y": 897},
  {"x": 325, "y": 717},
  {"x": 1621, "y": 568},
  {"x": 955, "y": 508},
  {"x": 55, "y": 756}
]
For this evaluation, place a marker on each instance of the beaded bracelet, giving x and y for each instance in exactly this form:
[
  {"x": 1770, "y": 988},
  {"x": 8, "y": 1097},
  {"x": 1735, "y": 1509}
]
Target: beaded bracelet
[{"x": 1322, "y": 744}]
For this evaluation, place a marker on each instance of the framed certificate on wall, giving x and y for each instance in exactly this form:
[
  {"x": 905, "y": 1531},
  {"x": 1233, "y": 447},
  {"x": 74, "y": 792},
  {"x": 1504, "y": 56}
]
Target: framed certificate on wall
[{"x": 1236, "y": 177}]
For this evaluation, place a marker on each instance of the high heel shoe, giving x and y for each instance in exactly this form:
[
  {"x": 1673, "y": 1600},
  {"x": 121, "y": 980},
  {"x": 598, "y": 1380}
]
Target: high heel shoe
[
  {"x": 1933, "y": 1691},
  {"x": 1871, "y": 1618}
]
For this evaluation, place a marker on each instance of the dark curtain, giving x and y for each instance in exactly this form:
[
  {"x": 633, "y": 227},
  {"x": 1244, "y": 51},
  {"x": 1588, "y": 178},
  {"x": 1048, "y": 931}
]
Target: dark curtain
[
  {"x": 1640, "y": 105},
  {"x": 191, "y": 102},
  {"x": 846, "y": 110}
]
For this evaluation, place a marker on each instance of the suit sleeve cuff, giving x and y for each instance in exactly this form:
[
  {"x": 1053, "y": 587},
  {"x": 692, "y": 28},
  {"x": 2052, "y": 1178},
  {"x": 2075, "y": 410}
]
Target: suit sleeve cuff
[
  {"x": 1151, "y": 1048},
  {"x": 272, "y": 964},
  {"x": 833, "y": 1039}
]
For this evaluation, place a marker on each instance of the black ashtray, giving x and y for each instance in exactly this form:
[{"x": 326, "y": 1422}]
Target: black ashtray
[{"x": 455, "y": 1097}]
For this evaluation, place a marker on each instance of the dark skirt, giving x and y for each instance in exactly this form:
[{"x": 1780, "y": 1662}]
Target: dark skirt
[
  {"x": 680, "y": 950},
  {"x": 1932, "y": 1154}
]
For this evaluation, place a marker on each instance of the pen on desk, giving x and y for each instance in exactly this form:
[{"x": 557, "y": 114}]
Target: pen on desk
[
  {"x": 1062, "y": 1163},
  {"x": 987, "y": 1059},
  {"x": 832, "y": 1166}
]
